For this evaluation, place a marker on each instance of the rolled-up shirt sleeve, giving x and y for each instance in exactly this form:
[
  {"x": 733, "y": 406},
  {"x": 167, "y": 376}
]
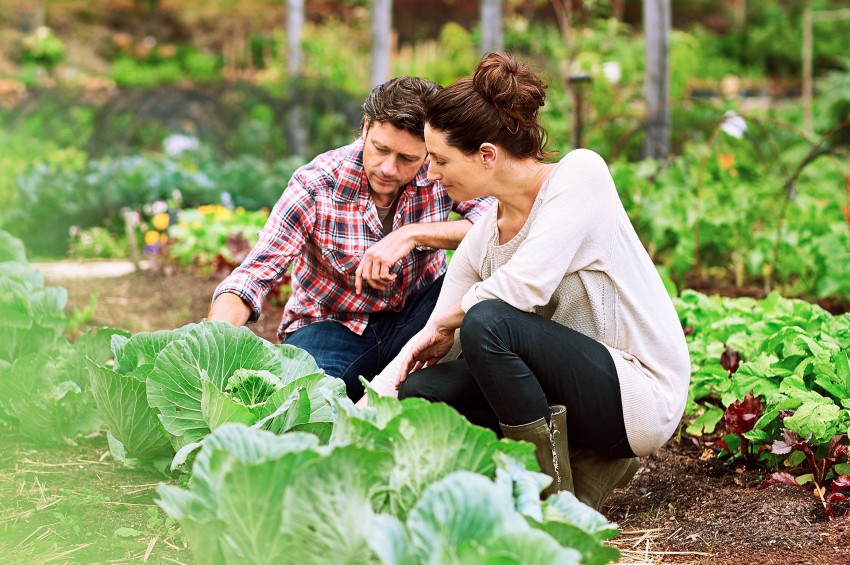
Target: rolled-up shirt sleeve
[
  {"x": 472, "y": 210},
  {"x": 287, "y": 229}
]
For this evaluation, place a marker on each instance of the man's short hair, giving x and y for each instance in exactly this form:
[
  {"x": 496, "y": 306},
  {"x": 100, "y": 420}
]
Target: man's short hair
[{"x": 401, "y": 102}]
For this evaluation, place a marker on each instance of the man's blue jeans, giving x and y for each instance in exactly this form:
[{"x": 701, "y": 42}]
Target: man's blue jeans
[{"x": 344, "y": 354}]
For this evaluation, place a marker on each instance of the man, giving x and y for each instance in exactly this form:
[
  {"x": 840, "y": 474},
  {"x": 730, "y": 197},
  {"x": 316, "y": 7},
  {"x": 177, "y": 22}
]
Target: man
[{"x": 365, "y": 232}]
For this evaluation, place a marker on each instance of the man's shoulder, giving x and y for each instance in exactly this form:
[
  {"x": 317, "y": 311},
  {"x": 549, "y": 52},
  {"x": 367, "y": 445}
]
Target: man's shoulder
[{"x": 329, "y": 167}]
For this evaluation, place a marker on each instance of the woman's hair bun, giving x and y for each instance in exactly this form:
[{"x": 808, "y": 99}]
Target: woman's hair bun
[{"x": 511, "y": 87}]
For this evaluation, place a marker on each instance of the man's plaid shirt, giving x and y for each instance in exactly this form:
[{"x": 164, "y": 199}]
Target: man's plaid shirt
[{"x": 322, "y": 225}]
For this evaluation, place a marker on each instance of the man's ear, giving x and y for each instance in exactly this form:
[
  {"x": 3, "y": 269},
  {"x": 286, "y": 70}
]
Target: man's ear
[
  {"x": 489, "y": 154},
  {"x": 365, "y": 129}
]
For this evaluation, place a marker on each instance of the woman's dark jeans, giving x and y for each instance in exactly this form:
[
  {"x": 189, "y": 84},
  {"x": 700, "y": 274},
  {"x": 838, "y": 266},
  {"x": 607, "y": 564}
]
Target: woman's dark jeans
[{"x": 516, "y": 364}]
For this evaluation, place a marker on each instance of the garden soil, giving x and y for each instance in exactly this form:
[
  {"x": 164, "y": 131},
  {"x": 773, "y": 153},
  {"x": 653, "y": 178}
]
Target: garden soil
[{"x": 683, "y": 506}]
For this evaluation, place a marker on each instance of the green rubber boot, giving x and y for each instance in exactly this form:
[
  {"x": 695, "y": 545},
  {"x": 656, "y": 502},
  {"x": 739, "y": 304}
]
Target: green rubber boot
[
  {"x": 595, "y": 476},
  {"x": 551, "y": 447}
]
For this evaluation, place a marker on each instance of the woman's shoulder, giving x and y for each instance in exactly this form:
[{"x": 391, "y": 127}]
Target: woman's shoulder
[
  {"x": 582, "y": 165},
  {"x": 582, "y": 157}
]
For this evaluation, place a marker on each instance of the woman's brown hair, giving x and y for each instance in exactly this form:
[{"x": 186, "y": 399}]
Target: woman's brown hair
[{"x": 498, "y": 104}]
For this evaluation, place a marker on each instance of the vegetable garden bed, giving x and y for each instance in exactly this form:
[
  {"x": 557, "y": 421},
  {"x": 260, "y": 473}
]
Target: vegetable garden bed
[{"x": 73, "y": 503}]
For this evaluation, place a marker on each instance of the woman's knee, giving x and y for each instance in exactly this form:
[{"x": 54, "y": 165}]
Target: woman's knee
[
  {"x": 414, "y": 387},
  {"x": 481, "y": 318}
]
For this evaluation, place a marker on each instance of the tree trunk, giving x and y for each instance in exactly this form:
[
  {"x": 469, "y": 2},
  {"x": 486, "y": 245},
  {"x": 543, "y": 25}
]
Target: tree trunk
[
  {"x": 296, "y": 117},
  {"x": 382, "y": 15},
  {"x": 656, "y": 23},
  {"x": 492, "y": 38}
]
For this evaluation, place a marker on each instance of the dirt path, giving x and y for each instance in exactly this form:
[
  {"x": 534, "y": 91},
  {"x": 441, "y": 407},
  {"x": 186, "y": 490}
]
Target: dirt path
[{"x": 678, "y": 509}]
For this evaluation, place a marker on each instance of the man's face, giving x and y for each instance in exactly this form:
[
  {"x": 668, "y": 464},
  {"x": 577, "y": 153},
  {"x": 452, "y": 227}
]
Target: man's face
[{"x": 391, "y": 158}]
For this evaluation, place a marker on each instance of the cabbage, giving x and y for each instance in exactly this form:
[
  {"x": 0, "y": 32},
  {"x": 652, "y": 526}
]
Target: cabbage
[{"x": 169, "y": 389}]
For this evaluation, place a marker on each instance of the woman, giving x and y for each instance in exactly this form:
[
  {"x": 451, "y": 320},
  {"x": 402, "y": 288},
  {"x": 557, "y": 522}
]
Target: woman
[{"x": 568, "y": 337}]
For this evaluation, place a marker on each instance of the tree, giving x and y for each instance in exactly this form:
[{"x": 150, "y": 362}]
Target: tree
[
  {"x": 382, "y": 17},
  {"x": 656, "y": 25},
  {"x": 492, "y": 38},
  {"x": 296, "y": 129}
]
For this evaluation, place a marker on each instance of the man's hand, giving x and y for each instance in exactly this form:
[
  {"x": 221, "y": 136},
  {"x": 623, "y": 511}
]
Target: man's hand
[
  {"x": 375, "y": 267},
  {"x": 432, "y": 345}
]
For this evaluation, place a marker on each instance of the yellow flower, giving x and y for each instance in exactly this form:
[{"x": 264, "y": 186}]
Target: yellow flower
[
  {"x": 161, "y": 220},
  {"x": 726, "y": 160},
  {"x": 163, "y": 239},
  {"x": 151, "y": 237}
]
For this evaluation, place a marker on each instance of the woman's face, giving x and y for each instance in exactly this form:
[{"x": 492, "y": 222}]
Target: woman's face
[{"x": 461, "y": 175}]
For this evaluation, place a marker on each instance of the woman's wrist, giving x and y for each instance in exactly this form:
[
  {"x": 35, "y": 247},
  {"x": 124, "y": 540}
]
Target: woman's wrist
[{"x": 449, "y": 321}]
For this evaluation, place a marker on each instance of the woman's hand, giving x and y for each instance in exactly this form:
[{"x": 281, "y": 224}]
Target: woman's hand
[{"x": 432, "y": 345}]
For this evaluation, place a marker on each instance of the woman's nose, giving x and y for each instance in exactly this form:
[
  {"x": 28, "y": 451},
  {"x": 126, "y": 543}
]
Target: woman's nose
[{"x": 433, "y": 174}]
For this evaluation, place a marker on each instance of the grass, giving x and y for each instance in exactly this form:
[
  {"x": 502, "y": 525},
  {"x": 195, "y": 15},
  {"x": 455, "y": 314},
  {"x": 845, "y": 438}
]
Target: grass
[{"x": 75, "y": 504}]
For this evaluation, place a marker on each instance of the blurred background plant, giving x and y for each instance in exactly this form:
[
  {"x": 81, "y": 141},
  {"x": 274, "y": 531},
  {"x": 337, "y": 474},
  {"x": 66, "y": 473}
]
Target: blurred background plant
[{"x": 110, "y": 108}]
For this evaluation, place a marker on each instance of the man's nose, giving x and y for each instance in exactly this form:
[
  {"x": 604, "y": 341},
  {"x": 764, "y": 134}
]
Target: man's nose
[{"x": 388, "y": 167}]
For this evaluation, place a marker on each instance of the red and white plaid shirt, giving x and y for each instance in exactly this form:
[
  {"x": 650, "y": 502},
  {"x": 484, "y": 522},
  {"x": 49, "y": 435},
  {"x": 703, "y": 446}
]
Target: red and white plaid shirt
[{"x": 322, "y": 225}]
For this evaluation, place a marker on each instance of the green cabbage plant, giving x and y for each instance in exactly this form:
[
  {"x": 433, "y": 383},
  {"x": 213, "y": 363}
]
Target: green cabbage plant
[
  {"x": 399, "y": 482},
  {"x": 167, "y": 390}
]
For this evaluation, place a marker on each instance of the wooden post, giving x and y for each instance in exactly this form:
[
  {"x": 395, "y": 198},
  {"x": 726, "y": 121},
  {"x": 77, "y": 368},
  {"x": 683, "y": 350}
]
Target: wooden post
[
  {"x": 492, "y": 38},
  {"x": 296, "y": 128},
  {"x": 657, "y": 21},
  {"x": 809, "y": 18},
  {"x": 808, "y": 121},
  {"x": 294, "y": 25},
  {"x": 382, "y": 17}
]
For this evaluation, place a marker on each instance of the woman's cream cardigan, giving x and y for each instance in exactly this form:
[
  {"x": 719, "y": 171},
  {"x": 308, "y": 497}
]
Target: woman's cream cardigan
[{"x": 578, "y": 261}]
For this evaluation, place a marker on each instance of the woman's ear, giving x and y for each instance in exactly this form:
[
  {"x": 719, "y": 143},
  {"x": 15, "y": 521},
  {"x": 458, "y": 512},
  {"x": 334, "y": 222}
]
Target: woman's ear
[{"x": 489, "y": 154}]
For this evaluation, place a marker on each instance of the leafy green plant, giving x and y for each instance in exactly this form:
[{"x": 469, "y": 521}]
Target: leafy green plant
[
  {"x": 793, "y": 364},
  {"x": 43, "y": 395},
  {"x": 252, "y": 496},
  {"x": 41, "y": 390},
  {"x": 201, "y": 68},
  {"x": 169, "y": 389},
  {"x": 130, "y": 72},
  {"x": 97, "y": 242},
  {"x": 214, "y": 238},
  {"x": 44, "y": 48}
]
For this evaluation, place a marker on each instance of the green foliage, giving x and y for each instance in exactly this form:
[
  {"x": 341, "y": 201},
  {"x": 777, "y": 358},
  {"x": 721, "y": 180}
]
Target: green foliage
[
  {"x": 334, "y": 53},
  {"x": 130, "y": 72},
  {"x": 169, "y": 389},
  {"x": 751, "y": 228},
  {"x": 424, "y": 487},
  {"x": 202, "y": 68},
  {"x": 42, "y": 393},
  {"x": 44, "y": 48},
  {"x": 207, "y": 236},
  {"x": 451, "y": 57},
  {"x": 794, "y": 359},
  {"x": 97, "y": 243},
  {"x": 17, "y": 152},
  {"x": 75, "y": 193}
]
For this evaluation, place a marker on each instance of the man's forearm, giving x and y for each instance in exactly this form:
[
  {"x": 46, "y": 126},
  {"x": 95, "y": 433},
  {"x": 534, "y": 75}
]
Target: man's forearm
[
  {"x": 439, "y": 235},
  {"x": 228, "y": 307}
]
